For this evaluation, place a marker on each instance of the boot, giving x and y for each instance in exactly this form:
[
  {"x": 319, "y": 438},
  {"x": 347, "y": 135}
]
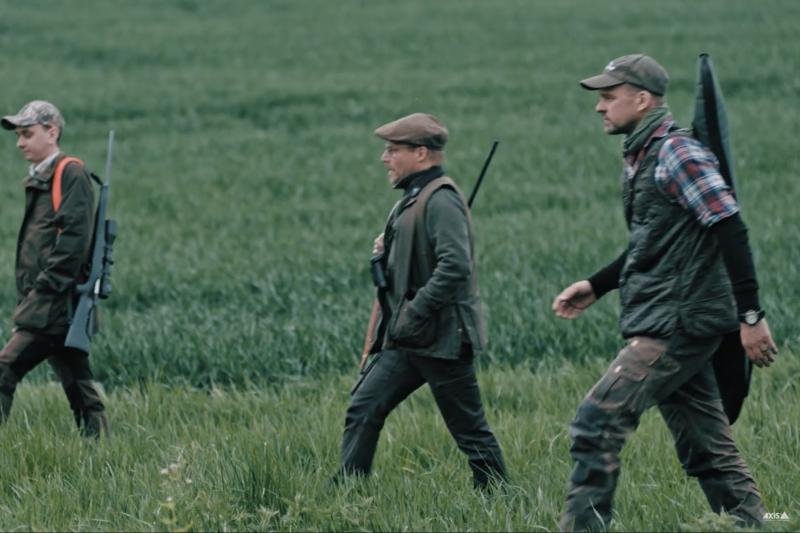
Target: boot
[{"x": 95, "y": 423}]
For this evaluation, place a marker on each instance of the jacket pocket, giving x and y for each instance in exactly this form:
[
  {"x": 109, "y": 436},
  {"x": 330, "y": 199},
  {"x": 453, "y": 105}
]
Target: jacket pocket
[
  {"x": 648, "y": 289},
  {"x": 412, "y": 330},
  {"x": 710, "y": 316},
  {"x": 34, "y": 310},
  {"x": 471, "y": 324},
  {"x": 619, "y": 386}
]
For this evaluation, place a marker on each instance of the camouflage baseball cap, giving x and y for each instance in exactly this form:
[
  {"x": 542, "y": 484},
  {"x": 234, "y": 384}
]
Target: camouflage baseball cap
[
  {"x": 35, "y": 112},
  {"x": 417, "y": 129},
  {"x": 636, "y": 69}
]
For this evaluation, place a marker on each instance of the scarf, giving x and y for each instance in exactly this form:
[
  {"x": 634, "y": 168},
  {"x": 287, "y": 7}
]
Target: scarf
[{"x": 636, "y": 140}]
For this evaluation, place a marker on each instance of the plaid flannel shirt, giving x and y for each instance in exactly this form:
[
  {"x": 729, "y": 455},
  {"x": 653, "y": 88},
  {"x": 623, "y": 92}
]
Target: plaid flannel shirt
[{"x": 688, "y": 173}]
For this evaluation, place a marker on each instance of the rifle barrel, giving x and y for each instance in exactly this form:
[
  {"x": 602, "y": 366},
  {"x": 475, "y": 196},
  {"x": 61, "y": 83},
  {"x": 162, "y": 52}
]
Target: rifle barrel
[
  {"x": 482, "y": 174},
  {"x": 108, "y": 156}
]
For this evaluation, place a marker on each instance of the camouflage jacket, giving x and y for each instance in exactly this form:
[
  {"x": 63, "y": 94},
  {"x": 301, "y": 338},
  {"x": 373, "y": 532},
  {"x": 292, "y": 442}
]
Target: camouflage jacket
[{"x": 52, "y": 248}]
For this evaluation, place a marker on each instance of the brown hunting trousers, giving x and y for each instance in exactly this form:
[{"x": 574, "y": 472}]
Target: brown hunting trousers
[
  {"x": 678, "y": 377},
  {"x": 26, "y": 349}
]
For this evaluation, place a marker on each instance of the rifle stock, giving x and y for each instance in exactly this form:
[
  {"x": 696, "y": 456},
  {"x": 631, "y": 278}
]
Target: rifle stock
[
  {"x": 83, "y": 323},
  {"x": 368, "y": 338}
]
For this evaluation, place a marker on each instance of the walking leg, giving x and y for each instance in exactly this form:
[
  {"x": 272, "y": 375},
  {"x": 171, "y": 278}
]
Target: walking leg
[
  {"x": 389, "y": 382},
  {"x": 703, "y": 440}
]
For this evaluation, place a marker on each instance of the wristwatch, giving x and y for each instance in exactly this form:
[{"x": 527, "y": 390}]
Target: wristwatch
[{"x": 751, "y": 317}]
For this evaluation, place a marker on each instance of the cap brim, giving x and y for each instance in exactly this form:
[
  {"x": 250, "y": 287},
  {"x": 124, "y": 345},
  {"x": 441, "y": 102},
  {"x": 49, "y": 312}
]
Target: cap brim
[
  {"x": 8, "y": 123},
  {"x": 388, "y": 138},
  {"x": 12, "y": 122},
  {"x": 601, "y": 81}
]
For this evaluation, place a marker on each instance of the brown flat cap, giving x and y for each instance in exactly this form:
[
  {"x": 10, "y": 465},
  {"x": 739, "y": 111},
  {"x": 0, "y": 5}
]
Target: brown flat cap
[
  {"x": 636, "y": 69},
  {"x": 35, "y": 112},
  {"x": 417, "y": 129}
]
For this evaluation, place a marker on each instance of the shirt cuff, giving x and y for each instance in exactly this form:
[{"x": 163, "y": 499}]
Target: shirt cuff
[{"x": 607, "y": 278}]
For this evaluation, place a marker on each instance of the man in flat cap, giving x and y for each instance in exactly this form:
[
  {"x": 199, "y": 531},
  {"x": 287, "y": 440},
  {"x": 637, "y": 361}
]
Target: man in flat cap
[
  {"x": 686, "y": 280},
  {"x": 433, "y": 325},
  {"x": 53, "y": 250}
]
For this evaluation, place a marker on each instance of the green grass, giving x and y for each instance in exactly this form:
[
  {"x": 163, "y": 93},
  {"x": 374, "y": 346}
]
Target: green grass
[
  {"x": 248, "y": 190},
  {"x": 248, "y": 186},
  {"x": 260, "y": 459}
]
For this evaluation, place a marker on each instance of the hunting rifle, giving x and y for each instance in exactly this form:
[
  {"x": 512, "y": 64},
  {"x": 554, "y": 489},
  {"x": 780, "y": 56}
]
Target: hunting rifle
[{"x": 83, "y": 321}]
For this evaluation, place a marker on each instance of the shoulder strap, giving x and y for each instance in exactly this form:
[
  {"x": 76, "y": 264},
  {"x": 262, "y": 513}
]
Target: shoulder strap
[
  {"x": 432, "y": 187},
  {"x": 422, "y": 249},
  {"x": 55, "y": 191},
  {"x": 408, "y": 240},
  {"x": 422, "y": 202}
]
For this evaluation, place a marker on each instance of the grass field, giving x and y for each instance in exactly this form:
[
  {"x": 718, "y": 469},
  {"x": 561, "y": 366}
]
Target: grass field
[
  {"x": 260, "y": 459},
  {"x": 248, "y": 190}
]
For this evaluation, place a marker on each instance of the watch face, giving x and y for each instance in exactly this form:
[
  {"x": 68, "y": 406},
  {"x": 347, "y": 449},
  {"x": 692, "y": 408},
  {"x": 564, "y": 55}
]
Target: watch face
[{"x": 750, "y": 318}]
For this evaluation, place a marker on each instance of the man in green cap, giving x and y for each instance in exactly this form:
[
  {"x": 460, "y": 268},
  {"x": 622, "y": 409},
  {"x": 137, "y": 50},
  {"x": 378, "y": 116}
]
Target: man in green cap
[
  {"x": 53, "y": 250},
  {"x": 686, "y": 279},
  {"x": 434, "y": 325}
]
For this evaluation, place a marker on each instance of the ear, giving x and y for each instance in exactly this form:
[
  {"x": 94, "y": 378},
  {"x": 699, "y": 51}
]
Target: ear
[
  {"x": 53, "y": 132},
  {"x": 644, "y": 100},
  {"x": 421, "y": 153}
]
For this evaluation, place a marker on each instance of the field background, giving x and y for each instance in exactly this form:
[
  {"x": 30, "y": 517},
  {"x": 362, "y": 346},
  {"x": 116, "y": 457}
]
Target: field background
[{"x": 248, "y": 188}]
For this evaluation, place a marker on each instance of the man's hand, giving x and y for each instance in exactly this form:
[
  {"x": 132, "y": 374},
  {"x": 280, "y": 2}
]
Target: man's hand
[
  {"x": 574, "y": 299},
  {"x": 758, "y": 343},
  {"x": 377, "y": 247}
]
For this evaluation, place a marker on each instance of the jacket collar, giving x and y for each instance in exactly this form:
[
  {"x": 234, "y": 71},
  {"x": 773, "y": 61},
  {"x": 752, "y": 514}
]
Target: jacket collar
[
  {"x": 40, "y": 175},
  {"x": 413, "y": 183}
]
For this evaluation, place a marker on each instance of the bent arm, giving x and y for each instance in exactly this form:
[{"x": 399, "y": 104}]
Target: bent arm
[{"x": 607, "y": 278}]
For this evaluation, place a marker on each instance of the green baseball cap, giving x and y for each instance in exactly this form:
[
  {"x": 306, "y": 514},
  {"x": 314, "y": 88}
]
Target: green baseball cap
[{"x": 635, "y": 69}]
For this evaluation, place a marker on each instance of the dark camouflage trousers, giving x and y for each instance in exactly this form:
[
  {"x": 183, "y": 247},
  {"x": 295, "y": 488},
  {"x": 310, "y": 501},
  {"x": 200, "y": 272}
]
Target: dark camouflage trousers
[
  {"x": 677, "y": 377},
  {"x": 26, "y": 349}
]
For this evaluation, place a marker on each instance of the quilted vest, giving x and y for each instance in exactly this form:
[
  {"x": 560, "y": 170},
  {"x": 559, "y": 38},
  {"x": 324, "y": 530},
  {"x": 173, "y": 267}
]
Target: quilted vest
[{"x": 674, "y": 274}]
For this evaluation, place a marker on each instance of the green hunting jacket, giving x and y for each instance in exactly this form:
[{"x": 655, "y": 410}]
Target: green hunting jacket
[
  {"x": 52, "y": 248},
  {"x": 433, "y": 286}
]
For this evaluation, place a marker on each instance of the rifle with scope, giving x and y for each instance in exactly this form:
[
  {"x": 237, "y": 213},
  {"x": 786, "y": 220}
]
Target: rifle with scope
[{"x": 83, "y": 319}]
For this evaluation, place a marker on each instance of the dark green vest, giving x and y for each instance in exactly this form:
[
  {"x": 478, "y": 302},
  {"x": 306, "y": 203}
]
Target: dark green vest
[{"x": 674, "y": 275}]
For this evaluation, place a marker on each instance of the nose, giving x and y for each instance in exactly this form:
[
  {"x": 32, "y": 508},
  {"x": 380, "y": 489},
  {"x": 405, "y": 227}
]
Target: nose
[{"x": 600, "y": 107}]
